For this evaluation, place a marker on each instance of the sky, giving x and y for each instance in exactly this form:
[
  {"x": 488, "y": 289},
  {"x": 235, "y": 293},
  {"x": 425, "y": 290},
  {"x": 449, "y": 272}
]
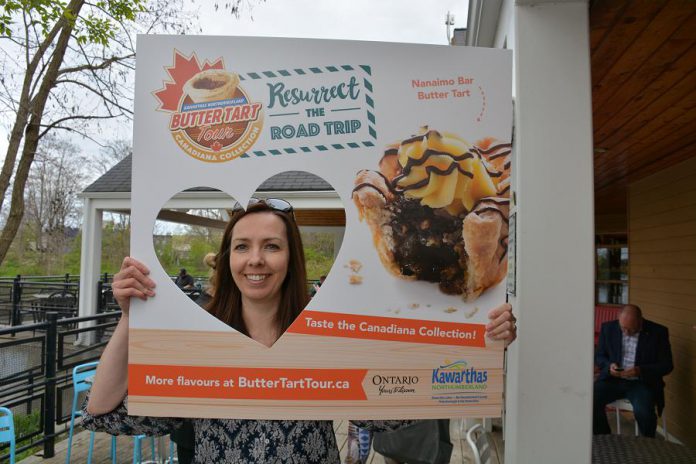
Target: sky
[
  {"x": 411, "y": 21},
  {"x": 414, "y": 21}
]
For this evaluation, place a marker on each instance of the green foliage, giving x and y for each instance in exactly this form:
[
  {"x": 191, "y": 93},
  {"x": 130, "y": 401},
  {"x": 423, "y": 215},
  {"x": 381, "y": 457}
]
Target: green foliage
[
  {"x": 187, "y": 251},
  {"x": 95, "y": 30},
  {"x": 47, "y": 11},
  {"x": 319, "y": 252},
  {"x": 12, "y": 266},
  {"x": 115, "y": 246},
  {"x": 71, "y": 260},
  {"x": 26, "y": 424},
  {"x": 96, "y": 27},
  {"x": 173, "y": 251}
]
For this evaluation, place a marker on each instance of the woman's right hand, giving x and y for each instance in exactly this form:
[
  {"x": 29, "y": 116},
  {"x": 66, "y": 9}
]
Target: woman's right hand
[{"x": 132, "y": 281}]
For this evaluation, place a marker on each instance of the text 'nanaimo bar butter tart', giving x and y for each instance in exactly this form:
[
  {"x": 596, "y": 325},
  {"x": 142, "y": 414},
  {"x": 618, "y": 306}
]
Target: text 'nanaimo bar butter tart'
[{"x": 438, "y": 210}]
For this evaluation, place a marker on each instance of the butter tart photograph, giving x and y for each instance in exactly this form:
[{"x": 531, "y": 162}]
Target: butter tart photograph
[{"x": 437, "y": 207}]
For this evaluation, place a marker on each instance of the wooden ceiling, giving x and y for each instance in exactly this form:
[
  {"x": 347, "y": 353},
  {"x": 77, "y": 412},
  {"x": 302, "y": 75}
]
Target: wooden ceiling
[{"x": 643, "y": 92}]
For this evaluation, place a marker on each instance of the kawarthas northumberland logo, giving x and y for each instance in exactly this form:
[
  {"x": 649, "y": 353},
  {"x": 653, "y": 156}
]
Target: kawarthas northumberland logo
[
  {"x": 458, "y": 376},
  {"x": 212, "y": 118}
]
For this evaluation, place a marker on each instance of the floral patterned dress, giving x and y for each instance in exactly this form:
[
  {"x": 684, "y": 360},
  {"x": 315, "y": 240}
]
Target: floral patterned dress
[{"x": 241, "y": 440}]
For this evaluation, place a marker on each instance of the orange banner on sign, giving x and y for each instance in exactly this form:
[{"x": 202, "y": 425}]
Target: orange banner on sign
[
  {"x": 246, "y": 382},
  {"x": 389, "y": 328}
]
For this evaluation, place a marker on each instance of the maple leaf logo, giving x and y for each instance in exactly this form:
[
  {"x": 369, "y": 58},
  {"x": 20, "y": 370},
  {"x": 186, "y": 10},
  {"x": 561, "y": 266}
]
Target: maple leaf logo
[
  {"x": 184, "y": 68},
  {"x": 216, "y": 146}
]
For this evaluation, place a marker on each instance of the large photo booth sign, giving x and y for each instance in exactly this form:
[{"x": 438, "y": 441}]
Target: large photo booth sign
[{"x": 415, "y": 141}]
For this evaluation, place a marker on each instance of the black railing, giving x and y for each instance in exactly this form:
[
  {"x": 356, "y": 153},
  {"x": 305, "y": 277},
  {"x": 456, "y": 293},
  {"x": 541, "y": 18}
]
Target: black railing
[
  {"x": 27, "y": 299},
  {"x": 36, "y": 373}
]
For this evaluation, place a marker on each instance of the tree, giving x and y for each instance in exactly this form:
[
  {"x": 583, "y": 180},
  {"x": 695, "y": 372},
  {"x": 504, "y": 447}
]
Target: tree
[
  {"x": 111, "y": 154},
  {"x": 53, "y": 211},
  {"x": 75, "y": 65},
  {"x": 80, "y": 49}
]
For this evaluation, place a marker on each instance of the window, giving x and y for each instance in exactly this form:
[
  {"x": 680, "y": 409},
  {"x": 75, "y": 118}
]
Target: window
[{"x": 611, "y": 262}]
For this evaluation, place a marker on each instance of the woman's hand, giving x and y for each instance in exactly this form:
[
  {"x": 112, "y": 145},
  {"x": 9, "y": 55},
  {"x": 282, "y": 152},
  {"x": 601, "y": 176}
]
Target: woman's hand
[
  {"x": 132, "y": 281},
  {"x": 502, "y": 325}
]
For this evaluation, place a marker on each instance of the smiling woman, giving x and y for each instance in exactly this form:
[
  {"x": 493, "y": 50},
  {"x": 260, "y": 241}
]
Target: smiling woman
[
  {"x": 260, "y": 289},
  {"x": 260, "y": 274}
]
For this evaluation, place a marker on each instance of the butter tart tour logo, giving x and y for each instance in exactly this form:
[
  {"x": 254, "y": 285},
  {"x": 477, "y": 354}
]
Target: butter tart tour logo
[{"x": 213, "y": 118}]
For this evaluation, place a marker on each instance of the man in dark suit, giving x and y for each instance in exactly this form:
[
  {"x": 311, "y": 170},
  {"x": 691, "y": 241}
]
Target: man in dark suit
[{"x": 633, "y": 356}]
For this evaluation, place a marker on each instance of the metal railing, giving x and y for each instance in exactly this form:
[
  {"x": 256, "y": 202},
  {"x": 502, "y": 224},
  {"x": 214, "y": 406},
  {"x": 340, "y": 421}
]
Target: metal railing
[
  {"x": 37, "y": 357},
  {"x": 36, "y": 373},
  {"x": 26, "y": 299}
]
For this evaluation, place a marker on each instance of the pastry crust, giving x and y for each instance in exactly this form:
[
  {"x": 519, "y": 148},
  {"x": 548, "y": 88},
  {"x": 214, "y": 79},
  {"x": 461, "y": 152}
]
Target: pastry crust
[
  {"x": 485, "y": 232},
  {"x": 435, "y": 237},
  {"x": 371, "y": 195}
]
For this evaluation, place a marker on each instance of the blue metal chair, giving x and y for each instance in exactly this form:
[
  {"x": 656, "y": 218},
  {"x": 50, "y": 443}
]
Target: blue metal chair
[
  {"x": 137, "y": 448},
  {"x": 82, "y": 376},
  {"x": 7, "y": 433}
]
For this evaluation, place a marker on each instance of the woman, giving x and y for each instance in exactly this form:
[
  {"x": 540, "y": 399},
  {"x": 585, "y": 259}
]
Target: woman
[{"x": 260, "y": 289}]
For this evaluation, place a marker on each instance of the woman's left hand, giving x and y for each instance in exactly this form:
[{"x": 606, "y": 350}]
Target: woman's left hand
[{"x": 502, "y": 325}]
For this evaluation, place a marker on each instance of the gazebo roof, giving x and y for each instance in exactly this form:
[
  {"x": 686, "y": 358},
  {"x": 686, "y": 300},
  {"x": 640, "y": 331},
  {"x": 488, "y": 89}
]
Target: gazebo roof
[{"x": 118, "y": 179}]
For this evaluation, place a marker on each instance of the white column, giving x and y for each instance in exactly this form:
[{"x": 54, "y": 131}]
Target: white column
[
  {"x": 90, "y": 262},
  {"x": 549, "y": 384}
]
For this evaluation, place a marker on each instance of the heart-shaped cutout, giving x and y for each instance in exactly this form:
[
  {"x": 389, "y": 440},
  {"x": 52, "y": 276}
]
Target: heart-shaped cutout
[{"x": 254, "y": 268}]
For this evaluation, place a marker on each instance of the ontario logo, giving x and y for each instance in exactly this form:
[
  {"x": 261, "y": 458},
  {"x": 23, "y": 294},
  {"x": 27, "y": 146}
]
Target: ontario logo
[
  {"x": 213, "y": 118},
  {"x": 459, "y": 376}
]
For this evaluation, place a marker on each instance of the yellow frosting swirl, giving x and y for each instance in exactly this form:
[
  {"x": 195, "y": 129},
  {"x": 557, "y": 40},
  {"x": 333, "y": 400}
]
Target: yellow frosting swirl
[{"x": 441, "y": 170}]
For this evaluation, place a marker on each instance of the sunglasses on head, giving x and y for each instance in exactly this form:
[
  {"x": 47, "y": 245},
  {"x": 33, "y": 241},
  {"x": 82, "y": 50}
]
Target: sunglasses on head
[{"x": 273, "y": 203}]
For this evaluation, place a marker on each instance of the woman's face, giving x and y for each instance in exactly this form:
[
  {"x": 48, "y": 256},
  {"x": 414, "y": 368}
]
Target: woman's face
[{"x": 259, "y": 256}]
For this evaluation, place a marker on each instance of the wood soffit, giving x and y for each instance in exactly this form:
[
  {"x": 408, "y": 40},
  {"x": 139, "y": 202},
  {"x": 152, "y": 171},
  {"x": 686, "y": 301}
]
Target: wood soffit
[
  {"x": 304, "y": 217},
  {"x": 643, "y": 92}
]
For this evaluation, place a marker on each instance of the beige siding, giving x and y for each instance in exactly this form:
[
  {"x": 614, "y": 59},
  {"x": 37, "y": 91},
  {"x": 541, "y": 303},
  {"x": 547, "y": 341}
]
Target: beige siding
[{"x": 662, "y": 272}]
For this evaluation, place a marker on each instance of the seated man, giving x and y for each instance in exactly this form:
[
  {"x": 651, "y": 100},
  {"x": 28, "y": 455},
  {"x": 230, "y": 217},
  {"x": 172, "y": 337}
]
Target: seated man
[
  {"x": 184, "y": 280},
  {"x": 633, "y": 356}
]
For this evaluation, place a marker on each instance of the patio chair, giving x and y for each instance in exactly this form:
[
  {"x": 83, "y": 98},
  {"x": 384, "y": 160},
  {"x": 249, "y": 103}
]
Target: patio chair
[
  {"x": 37, "y": 311},
  {"x": 625, "y": 405},
  {"x": 7, "y": 433},
  {"x": 62, "y": 301},
  {"x": 464, "y": 422},
  {"x": 82, "y": 381},
  {"x": 477, "y": 438},
  {"x": 137, "y": 448}
]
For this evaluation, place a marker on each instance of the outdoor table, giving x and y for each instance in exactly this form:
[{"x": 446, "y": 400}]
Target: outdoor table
[
  {"x": 623, "y": 449},
  {"x": 41, "y": 296}
]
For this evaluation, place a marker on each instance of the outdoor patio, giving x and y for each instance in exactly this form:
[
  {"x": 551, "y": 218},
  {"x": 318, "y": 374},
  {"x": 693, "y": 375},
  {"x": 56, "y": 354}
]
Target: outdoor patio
[{"x": 461, "y": 454}]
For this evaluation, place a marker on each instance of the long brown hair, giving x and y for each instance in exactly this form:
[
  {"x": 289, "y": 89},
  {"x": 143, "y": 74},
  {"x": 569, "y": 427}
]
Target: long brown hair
[{"x": 226, "y": 304}]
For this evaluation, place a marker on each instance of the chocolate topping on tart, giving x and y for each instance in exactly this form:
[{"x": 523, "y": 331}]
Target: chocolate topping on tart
[{"x": 438, "y": 210}]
